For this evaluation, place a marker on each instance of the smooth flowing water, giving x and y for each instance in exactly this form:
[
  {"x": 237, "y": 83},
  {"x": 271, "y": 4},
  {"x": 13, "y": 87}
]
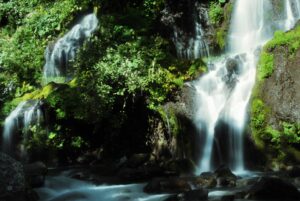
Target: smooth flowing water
[
  {"x": 26, "y": 114},
  {"x": 224, "y": 92},
  {"x": 63, "y": 51},
  {"x": 64, "y": 188}
]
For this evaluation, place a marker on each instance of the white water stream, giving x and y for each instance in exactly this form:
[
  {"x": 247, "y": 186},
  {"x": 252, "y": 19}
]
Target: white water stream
[
  {"x": 63, "y": 51},
  {"x": 26, "y": 114},
  {"x": 223, "y": 94},
  {"x": 64, "y": 188}
]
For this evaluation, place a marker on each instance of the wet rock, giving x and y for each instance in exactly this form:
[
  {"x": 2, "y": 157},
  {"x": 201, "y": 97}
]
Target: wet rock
[
  {"x": 271, "y": 188},
  {"x": 246, "y": 181},
  {"x": 224, "y": 171},
  {"x": 193, "y": 195},
  {"x": 227, "y": 198},
  {"x": 12, "y": 179},
  {"x": 296, "y": 182},
  {"x": 206, "y": 180},
  {"x": 232, "y": 66},
  {"x": 184, "y": 166},
  {"x": 139, "y": 174},
  {"x": 293, "y": 171},
  {"x": 32, "y": 195},
  {"x": 225, "y": 178},
  {"x": 35, "y": 174},
  {"x": 167, "y": 185},
  {"x": 137, "y": 160}
]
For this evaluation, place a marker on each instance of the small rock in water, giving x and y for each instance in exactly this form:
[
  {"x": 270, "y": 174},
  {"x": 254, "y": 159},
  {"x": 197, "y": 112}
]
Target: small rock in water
[{"x": 232, "y": 66}]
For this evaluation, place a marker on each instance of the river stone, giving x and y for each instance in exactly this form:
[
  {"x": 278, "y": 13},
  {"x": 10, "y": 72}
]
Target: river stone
[
  {"x": 12, "y": 179},
  {"x": 272, "y": 188},
  {"x": 168, "y": 185}
]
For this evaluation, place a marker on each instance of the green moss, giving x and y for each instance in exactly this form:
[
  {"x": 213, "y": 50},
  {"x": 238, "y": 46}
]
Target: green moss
[
  {"x": 215, "y": 13},
  {"x": 220, "y": 17},
  {"x": 265, "y": 66},
  {"x": 258, "y": 121},
  {"x": 290, "y": 39},
  {"x": 221, "y": 38}
]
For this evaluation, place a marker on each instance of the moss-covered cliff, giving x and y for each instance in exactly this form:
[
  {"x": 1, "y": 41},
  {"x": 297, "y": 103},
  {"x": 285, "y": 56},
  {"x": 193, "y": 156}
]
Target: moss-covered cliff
[{"x": 275, "y": 111}]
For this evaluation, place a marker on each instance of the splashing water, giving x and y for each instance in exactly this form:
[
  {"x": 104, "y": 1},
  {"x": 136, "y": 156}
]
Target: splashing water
[
  {"x": 64, "y": 50},
  {"x": 224, "y": 92}
]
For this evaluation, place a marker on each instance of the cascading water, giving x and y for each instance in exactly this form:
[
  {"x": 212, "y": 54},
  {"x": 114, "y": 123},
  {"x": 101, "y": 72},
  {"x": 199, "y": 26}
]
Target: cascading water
[
  {"x": 26, "y": 114},
  {"x": 64, "y": 50},
  {"x": 193, "y": 46},
  {"x": 29, "y": 113},
  {"x": 224, "y": 92}
]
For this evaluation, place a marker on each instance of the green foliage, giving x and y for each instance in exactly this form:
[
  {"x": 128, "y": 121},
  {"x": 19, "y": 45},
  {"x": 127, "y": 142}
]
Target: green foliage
[
  {"x": 291, "y": 132},
  {"x": 215, "y": 13},
  {"x": 220, "y": 15},
  {"x": 284, "y": 136},
  {"x": 31, "y": 27},
  {"x": 170, "y": 120},
  {"x": 258, "y": 120},
  {"x": 290, "y": 39},
  {"x": 265, "y": 66},
  {"x": 221, "y": 38}
]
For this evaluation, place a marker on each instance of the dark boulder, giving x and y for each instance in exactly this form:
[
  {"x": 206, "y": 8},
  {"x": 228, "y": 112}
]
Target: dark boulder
[
  {"x": 140, "y": 174},
  {"x": 225, "y": 177},
  {"x": 137, "y": 160},
  {"x": 35, "y": 174},
  {"x": 232, "y": 66},
  {"x": 206, "y": 180},
  {"x": 168, "y": 185},
  {"x": 12, "y": 179},
  {"x": 294, "y": 171},
  {"x": 272, "y": 188}
]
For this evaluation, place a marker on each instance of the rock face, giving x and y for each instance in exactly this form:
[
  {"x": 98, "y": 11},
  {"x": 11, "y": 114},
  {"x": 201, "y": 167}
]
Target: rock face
[
  {"x": 186, "y": 18},
  {"x": 281, "y": 90},
  {"x": 275, "y": 119},
  {"x": 176, "y": 137},
  {"x": 12, "y": 179},
  {"x": 35, "y": 174}
]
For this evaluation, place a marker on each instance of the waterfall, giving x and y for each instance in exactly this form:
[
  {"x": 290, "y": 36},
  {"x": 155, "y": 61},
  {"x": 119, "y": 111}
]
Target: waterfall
[
  {"x": 224, "y": 92},
  {"x": 192, "y": 45},
  {"x": 57, "y": 57},
  {"x": 63, "y": 51},
  {"x": 26, "y": 114}
]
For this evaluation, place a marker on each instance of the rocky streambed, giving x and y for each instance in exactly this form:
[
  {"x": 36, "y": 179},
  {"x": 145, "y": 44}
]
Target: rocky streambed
[{"x": 84, "y": 185}]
